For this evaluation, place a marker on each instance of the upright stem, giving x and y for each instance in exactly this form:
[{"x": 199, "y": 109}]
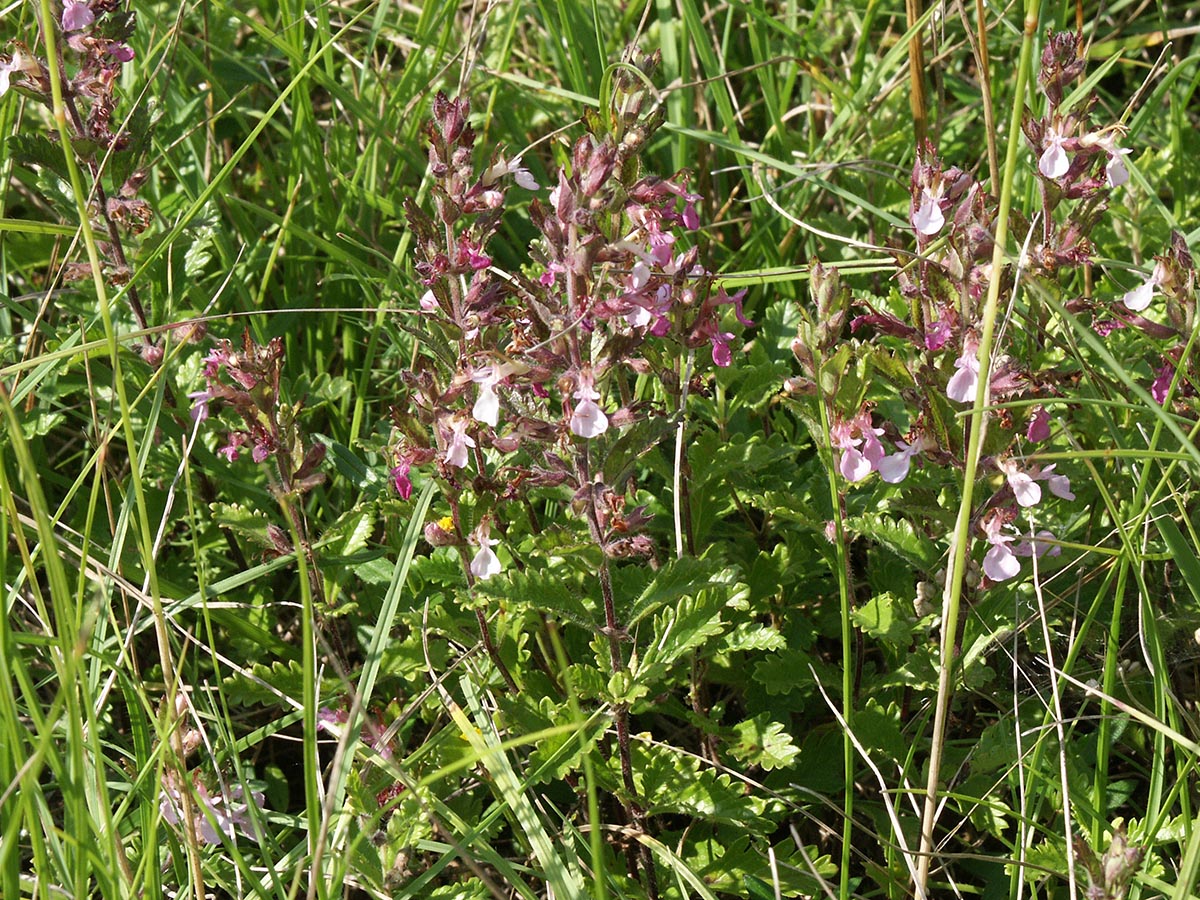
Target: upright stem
[
  {"x": 848, "y": 668},
  {"x": 612, "y": 627},
  {"x": 961, "y": 539},
  {"x": 916, "y": 73}
]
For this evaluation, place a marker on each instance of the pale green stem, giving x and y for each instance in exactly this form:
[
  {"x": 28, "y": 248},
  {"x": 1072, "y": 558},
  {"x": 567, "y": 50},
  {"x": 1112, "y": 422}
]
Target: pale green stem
[
  {"x": 843, "y": 577},
  {"x": 961, "y": 538},
  {"x": 103, "y": 302}
]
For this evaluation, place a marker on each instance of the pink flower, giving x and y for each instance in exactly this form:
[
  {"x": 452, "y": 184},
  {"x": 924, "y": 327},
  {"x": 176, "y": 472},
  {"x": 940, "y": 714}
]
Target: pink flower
[
  {"x": 1039, "y": 426},
  {"x": 928, "y": 218},
  {"x": 1054, "y": 161},
  {"x": 964, "y": 383},
  {"x": 120, "y": 52},
  {"x": 937, "y": 334},
  {"x": 1139, "y": 298},
  {"x": 400, "y": 479},
  {"x": 77, "y": 14},
  {"x": 721, "y": 354},
  {"x": 1115, "y": 172},
  {"x": 200, "y": 401},
  {"x": 237, "y": 440},
  {"x": 856, "y": 464},
  {"x": 456, "y": 449},
  {"x": 894, "y": 468},
  {"x": 587, "y": 419},
  {"x": 485, "y": 564},
  {"x": 487, "y": 404},
  {"x": 1162, "y": 384},
  {"x": 999, "y": 563}
]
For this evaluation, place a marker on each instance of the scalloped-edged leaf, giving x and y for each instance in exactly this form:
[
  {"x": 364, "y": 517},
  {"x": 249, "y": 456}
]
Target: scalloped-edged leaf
[
  {"x": 350, "y": 533},
  {"x": 547, "y": 591},
  {"x": 38, "y": 150},
  {"x": 689, "y": 623},
  {"x": 886, "y": 618},
  {"x": 242, "y": 521},
  {"x": 670, "y": 781},
  {"x": 679, "y": 578},
  {"x": 762, "y": 742},
  {"x": 900, "y": 536},
  {"x": 254, "y": 686}
]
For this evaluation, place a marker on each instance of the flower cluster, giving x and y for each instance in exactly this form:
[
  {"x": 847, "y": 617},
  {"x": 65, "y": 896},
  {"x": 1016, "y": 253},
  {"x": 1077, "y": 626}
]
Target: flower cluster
[
  {"x": 529, "y": 359},
  {"x": 248, "y": 382},
  {"x": 931, "y": 355},
  {"x": 216, "y": 814},
  {"x": 93, "y": 51}
]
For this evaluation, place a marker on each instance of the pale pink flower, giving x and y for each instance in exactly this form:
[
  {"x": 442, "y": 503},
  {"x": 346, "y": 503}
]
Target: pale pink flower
[
  {"x": 485, "y": 564},
  {"x": 587, "y": 419},
  {"x": 513, "y": 167},
  {"x": 964, "y": 383},
  {"x": 1115, "y": 172},
  {"x": 1060, "y": 485},
  {"x": 8, "y": 69},
  {"x": 860, "y": 454},
  {"x": 1054, "y": 161},
  {"x": 1139, "y": 298},
  {"x": 999, "y": 563},
  {"x": 1039, "y": 545},
  {"x": 928, "y": 218},
  {"x": 1027, "y": 491},
  {"x": 456, "y": 448},
  {"x": 213, "y": 815},
  {"x": 487, "y": 404},
  {"x": 894, "y": 468}
]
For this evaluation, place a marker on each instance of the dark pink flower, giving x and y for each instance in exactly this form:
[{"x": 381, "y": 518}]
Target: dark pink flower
[
  {"x": 937, "y": 335},
  {"x": 400, "y": 479},
  {"x": 1162, "y": 383},
  {"x": 77, "y": 14},
  {"x": 721, "y": 354},
  {"x": 1039, "y": 426}
]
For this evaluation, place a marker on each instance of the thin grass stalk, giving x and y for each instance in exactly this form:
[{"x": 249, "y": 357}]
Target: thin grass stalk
[
  {"x": 845, "y": 602},
  {"x": 961, "y": 537}
]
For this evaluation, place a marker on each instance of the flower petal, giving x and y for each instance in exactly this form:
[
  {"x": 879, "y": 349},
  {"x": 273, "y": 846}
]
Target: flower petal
[
  {"x": 1139, "y": 298},
  {"x": 928, "y": 218},
  {"x": 588, "y": 420},
  {"x": 1000, "y": 563}
]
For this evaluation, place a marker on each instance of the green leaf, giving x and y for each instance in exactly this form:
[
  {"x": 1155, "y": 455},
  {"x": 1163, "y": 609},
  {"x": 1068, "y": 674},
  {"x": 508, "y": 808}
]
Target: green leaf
[
  {"x": 547, "y": 591},
  {"x": 886, "y": 618},
  {"x": 242, "y": 521},
  {"x": 671, "y": 781},
  {"x": 350, "y": 533},
  {"x": 36, "y": 150},
  {"x": 762, "y": 742}
]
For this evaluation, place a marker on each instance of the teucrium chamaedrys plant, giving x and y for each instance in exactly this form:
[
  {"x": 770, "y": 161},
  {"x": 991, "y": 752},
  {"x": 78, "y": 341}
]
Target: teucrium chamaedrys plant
[
  {"x": 534, "y": 374},
  {"x": 925, "y": 361}
]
